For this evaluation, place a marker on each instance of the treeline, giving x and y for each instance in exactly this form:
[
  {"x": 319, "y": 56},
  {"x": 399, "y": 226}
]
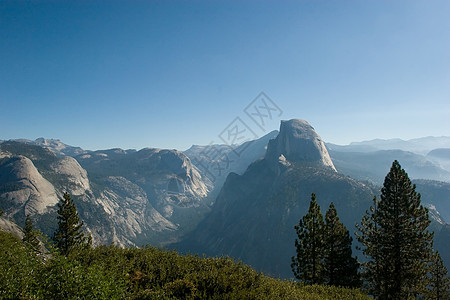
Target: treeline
[{"x": 401, "y": 262}]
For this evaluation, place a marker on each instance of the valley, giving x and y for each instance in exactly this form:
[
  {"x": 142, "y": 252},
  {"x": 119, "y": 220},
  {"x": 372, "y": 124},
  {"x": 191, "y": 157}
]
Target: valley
[{"x": 164, "y": 198}]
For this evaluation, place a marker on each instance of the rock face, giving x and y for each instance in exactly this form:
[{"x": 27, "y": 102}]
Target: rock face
[
  {"x": 71, "y": 174},
  {"x": 10, "y": 227},
  {"x": 169, "y": 179},
  {"x": 123, "y": 197},
  {"x": 132, "y": 219},
  {"x": 28, "y": 192},
  {"x": 299, "y": 142}
]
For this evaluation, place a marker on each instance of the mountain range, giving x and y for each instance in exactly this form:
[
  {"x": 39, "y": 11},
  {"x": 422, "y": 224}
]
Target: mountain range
[{"x": 240, "y": 201}]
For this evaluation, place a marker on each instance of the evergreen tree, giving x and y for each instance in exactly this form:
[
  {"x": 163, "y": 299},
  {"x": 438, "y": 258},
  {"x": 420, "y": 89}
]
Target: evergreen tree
[
  {"x": 438, "y": 283},
  {"x": 368, "y": 233},
  {"x": 30, "y": 235},
  {"x": 307, "y": 265},
  {"x": 340, "y": 268},
  {"x": 395, "y": 239},
  {"x": 69, "y": 235}
]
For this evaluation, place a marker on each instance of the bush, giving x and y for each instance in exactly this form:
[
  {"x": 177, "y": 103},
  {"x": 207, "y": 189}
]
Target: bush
[
  {"x": 109, "y": 272},
  {"x": 18, "y": 267}
]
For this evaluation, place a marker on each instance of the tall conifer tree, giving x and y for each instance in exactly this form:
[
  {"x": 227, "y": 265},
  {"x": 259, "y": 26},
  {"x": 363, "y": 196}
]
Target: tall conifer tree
[
  {"x": 395, "y": 239},
  {"x": 439, "y": 283},
  {"x": 30, "y": 235},
  {"x": 340, "y": 268},
  {"x": 69, "y": 235},
  {"x": 307, "y": 265}
]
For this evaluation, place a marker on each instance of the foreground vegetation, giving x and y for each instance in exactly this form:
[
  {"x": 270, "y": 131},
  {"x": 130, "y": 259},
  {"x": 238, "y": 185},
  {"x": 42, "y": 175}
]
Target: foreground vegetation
[{"x": 109, "y": 272}]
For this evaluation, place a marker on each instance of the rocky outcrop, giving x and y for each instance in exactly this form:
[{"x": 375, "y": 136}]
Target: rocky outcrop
[
  {"x": 72, "y": 177},
  {"x": 11, "y": 227},
  {"x": 168, "y": 177},
  {"x": 299, "y": 142},
  {"x": 24, "y": 190},
  {"x": 123, "y": 197},
  {"x": 130, "y": 214}
]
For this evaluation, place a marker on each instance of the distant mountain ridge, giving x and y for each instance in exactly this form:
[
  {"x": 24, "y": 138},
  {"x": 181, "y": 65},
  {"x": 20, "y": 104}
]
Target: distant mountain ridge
[
  {"x": 54, "y": 145},
  {"x": 371, "y": 165},
  {"x": 418, "y": 145}
]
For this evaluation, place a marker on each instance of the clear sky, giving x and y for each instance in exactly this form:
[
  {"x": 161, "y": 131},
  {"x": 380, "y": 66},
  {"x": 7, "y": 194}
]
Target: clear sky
[{"x": 169, "y": 74}]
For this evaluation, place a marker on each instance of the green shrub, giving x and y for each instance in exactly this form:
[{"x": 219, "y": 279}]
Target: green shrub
[
  {"x": 109, "y": 272},
  {"x": 18, "y": 268},
  {"x": 64, "y": 278}
]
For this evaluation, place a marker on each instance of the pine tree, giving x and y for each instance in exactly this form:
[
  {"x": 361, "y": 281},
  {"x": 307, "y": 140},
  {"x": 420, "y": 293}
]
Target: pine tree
[
  {"x": 395, "y": 239},
  {"x": 340, "y": 268},
  {"x": 30, "y": 235},
  {"x": 307, "y": 265},
  {"x": 368, "y": 233},
  {"x": 69, "y": 235},
  {"x": 439, "y": 282}
]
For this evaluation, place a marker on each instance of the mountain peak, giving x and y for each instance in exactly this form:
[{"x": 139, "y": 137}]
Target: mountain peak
[{"x": 299, "y": 142}]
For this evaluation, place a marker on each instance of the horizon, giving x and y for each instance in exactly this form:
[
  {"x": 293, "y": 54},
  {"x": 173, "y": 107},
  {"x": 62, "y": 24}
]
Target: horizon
[
  {"x": 173, "y": 74},
  {"x": 206, "y": 145}
]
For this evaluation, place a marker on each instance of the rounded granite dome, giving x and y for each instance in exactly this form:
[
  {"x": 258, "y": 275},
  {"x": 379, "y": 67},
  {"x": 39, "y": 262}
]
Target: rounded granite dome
[{"x": 299, "y": 142}]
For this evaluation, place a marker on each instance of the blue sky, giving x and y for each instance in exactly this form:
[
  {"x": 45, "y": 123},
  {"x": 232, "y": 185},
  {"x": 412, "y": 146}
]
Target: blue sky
[{"x": 168, "y": 74}]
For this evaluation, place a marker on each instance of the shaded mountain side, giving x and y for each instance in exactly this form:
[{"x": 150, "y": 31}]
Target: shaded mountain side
[
  {"x": 440, "y": 157},
  {"x": 372, "y": 166},
  {"x": 254, "y": 216},
  {"x": 442, "y": 242},
  {"x": 443, "y": 153},
  {"x": 436, "y": 193}
]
